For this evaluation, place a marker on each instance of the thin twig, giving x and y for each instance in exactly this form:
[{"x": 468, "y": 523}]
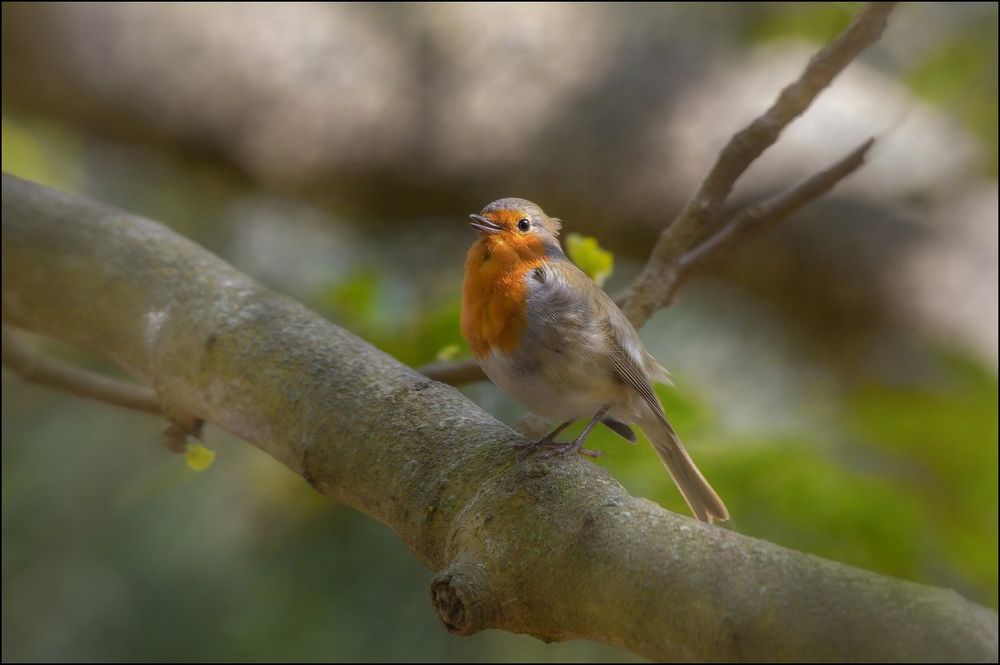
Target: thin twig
[
  {"x": 454, "y": 372},
  {"x": 34, "y": 366},
  {"x": 769, "y": 212},
  {"x": 698, "y": 218}
]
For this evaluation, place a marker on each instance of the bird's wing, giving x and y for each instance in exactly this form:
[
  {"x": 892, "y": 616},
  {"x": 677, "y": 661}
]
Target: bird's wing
[
  {"x": 629, "y": 340},
  {"x": 571, "y": 301},
  {"x": 629, "y": 359}
]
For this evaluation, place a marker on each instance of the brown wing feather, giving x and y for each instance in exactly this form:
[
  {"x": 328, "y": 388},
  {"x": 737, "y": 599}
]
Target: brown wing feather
[
  {"x": 633, "y": 376},
  {"x": 702, "y": 499},
  {"x": 624, "y": 366}
]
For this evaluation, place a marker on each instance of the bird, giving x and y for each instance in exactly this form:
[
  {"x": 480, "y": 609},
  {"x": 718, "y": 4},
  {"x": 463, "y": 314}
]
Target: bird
[{"x": 556, "y": 343}]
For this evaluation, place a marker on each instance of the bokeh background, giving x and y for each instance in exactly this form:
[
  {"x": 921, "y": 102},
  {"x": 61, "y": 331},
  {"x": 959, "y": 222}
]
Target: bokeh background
[{"x": 836, "y": 378}]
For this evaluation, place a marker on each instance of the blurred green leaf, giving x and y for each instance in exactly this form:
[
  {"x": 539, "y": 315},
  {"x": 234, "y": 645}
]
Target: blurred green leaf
[
  {"x": 790, "y": 492},
  {"x": 945, "y": 438},
  {"x": 590, "y": 257},
  {"x": 435, "y": 329},
  {"x": 414, "y": 334},
  {"x": 197, "y": 457},
  {"x": 354, "y": 298},
  {"x": 449, "y": 352},
  {"x": 688, "y": 412},
  {"x": 960, "y": 74},
  {"x": 39, "y": 151},
  {"x": 818, "y": 22}
]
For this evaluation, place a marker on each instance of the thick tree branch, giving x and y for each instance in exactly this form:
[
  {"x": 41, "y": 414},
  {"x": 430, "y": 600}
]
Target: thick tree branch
[
  {"x": 556, "y": 548},
  {"x": 698, "y": 219},
  {"x": 32, "y": 365}
]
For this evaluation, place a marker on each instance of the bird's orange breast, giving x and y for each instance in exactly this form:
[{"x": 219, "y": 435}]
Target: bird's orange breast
[{"x": 495, "y": 291}]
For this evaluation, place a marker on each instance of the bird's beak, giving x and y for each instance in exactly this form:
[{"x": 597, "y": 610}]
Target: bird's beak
[{"x": 484, "y": 225}]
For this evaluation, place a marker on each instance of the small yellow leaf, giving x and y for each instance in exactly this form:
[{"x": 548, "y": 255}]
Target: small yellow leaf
[
  {"x": 449, "y": 352},
  {"x": 198, "y": 457},
  {"x": 590, "y": 257}
]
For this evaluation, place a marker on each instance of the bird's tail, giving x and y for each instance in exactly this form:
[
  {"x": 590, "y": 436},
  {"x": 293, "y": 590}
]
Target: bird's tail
[{"x": 702, "y": 499}]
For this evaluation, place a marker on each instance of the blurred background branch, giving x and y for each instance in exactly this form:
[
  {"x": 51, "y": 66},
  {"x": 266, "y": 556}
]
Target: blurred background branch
[
  {"x": 760, "y": 216},
  {"x": 31, "y": 365},
  {"x": 454, "y": 373},
  {"x": 698, "y": 218}
]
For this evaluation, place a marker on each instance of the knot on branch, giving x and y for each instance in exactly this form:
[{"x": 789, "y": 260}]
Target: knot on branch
[
  {"x": 461, "y": 599},
  {"x": 176, "y": 433}
]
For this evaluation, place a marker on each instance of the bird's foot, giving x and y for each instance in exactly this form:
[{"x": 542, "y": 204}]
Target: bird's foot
[
  {"x": 549, "y": 447},
  {"x": 528, "y": 447},
  {"x": 552, "y": 449}
]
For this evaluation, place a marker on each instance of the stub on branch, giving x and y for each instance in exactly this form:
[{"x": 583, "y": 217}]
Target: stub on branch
[{"x": 460, "y": 597}]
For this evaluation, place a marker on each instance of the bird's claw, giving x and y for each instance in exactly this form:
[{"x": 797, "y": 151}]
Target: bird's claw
[
  {"x": 549, "y": 448},
  {"x": 533, "y": 444},
  {"x": 569, "y": 448}
]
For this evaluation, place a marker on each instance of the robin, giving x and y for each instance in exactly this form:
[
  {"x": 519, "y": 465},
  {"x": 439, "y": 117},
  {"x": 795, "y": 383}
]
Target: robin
[{"x": 556, "y": 343}]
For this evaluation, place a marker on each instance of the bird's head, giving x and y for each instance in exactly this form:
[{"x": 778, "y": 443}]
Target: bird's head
[{"x": 517, "y": 223}]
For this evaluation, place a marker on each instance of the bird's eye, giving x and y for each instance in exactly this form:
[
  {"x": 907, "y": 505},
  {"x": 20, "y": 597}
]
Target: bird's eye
[{"x": 523, "y": 225}]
